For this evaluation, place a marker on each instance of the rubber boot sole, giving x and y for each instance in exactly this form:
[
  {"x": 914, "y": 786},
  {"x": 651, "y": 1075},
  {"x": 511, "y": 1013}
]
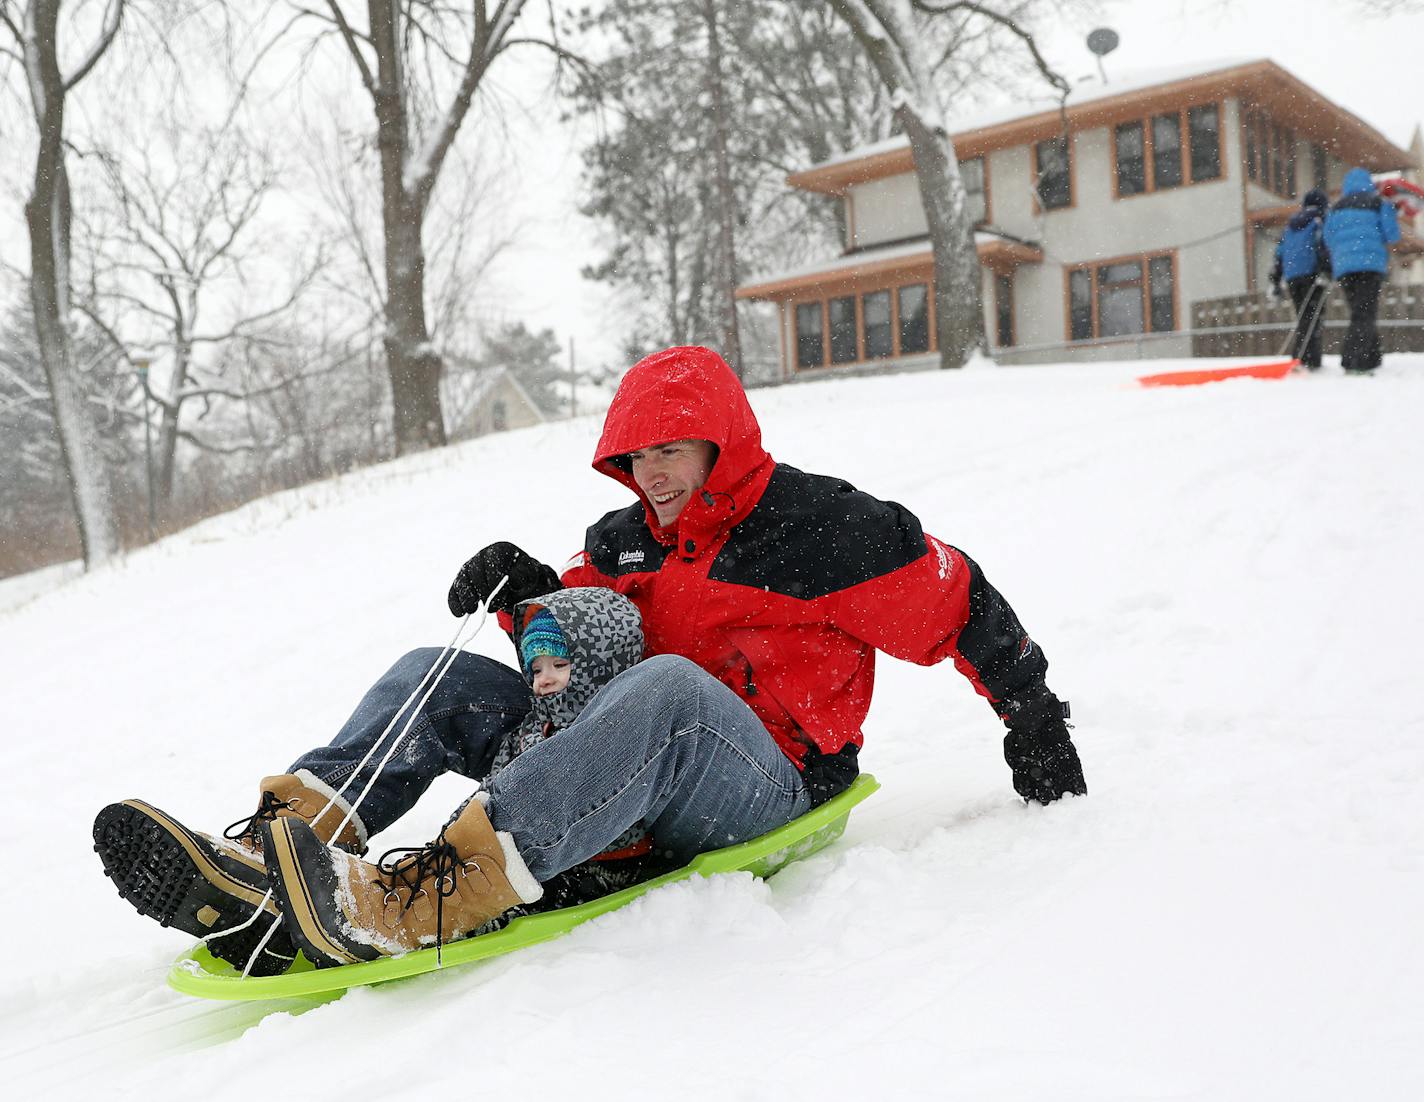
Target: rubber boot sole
[{"x": 182, "y": 880}]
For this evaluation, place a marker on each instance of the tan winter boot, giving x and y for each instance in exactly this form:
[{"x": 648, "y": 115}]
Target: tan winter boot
[
  {"x": 302, "y": 795},
  {"x": 202, "y": 884},
  {"x": 340, "y": 909}
]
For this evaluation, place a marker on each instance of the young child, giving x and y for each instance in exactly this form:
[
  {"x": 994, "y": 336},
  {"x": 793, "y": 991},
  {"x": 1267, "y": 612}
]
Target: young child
[{"x": 571, "y": 643}]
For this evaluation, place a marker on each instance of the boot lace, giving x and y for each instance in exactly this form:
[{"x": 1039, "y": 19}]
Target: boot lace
[
  {"x": 406, "y": 870},
  {"x": 245, "y": 830}
]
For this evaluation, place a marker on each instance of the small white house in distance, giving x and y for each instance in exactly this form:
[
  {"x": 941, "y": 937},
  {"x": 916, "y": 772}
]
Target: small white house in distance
[
  {"x": 1165, "y": 190},
  {"x": 483, "y": 400}
]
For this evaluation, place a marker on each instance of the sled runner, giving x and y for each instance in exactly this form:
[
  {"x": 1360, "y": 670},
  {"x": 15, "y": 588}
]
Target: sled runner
[{"x": 199, "y": 973}]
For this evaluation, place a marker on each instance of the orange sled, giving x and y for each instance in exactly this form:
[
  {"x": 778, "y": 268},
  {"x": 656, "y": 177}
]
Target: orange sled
[{"x": 1276, "y": 369}]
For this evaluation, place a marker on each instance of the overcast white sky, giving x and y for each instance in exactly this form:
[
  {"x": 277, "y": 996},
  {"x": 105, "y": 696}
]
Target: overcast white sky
[{"x": 1367, "y": 65}]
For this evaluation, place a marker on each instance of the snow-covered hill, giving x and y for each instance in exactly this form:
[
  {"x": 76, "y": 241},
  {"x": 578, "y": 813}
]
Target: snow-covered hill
[{"x": 1225, "y": 579}]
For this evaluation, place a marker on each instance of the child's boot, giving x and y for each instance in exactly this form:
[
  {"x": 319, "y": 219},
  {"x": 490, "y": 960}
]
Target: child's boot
[{"x": 340, "y": 909}]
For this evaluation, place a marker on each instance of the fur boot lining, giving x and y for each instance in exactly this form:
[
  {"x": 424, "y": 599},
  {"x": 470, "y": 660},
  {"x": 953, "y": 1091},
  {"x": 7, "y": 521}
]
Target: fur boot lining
[
  {"x": 520, "y": 878},
  {"x": 339, "y": 805}
]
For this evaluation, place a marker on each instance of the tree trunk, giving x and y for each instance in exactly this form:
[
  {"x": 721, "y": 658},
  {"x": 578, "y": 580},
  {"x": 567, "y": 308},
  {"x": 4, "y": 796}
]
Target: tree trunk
[
  {"x": 726, "y": 200},
  {"x": 887, "y": 31},
  {"x": 47, "y": 215},
  {"x": 412, "y": 363},
  {"x": 958, "y": 301},
  {"x": 167, "y": 457}
]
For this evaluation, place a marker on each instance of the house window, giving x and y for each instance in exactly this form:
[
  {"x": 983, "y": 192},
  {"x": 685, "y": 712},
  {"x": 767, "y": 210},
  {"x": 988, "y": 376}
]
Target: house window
[
  {"x": 875, "y": 314},
  {"x": 1162, "y": 300},
  {"x": 1053, "y": 162},
  {"x": 844, "y": 348},
  {"x": 1131, "y": 159},
  {"x": 1004, "y": 310},
  {"x": 1126, "y": 297},
  {"x": 914, "y": 318},
  {"x": 860, "y": 328},
  {"x": 1273, "y": 167},
  {"x": 1120, "y": 299},
  {"x": 1319, "y": 166},
  {"x": 1167, "y": 150},
  {"x": 810, "y": 351},
  {"x": 1204, "y": 130},
  {"x": 971, "y": 172},
  {"x": 1080, "y": 305}
]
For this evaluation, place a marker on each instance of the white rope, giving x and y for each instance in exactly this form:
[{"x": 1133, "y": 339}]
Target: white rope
[
  {"x": 447, "y": 657},
  {"x": 453, "y": 648},
  {"x": 272, "y": 929}
]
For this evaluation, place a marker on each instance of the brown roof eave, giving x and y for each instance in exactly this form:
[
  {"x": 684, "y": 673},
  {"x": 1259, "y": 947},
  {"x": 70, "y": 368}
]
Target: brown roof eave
[
  {"x": 1263, "y": 83},
  {"x": 1000, "y": 256}
]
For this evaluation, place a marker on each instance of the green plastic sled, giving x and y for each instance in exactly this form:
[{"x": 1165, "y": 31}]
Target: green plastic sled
[{"x": 198, "y": 972}]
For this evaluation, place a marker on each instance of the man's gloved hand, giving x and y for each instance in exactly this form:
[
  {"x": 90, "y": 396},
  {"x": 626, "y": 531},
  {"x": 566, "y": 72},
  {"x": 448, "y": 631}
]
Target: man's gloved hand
[
  {"x": 528, "y": 577},
  {"x": 1038, "y": 747}
]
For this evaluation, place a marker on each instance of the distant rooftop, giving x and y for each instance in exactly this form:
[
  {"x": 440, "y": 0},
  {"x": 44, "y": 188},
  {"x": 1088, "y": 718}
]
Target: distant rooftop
[{"x": 1036, "y": 116}]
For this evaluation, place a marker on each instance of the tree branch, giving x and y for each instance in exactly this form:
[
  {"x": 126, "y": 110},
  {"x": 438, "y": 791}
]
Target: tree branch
[
  {"x": 1048, "y": 72},
  {"x": 112, "y": 17},
  {"x": 349, "y": 36}
]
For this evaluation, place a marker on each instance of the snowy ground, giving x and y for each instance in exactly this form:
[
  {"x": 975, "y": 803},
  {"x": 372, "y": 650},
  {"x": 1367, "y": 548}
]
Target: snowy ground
[{"x": 1225, "y": 578}]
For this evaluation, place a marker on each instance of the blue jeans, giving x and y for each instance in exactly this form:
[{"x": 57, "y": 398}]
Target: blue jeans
[
  {"x": 663, "y": 744},
  {"x": 475, "y": 706}
]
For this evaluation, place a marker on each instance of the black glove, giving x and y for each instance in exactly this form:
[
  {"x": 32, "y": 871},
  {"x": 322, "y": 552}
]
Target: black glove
[
  {"x": 1038, "y": 748},
  {"x": 528, "y": 577}
]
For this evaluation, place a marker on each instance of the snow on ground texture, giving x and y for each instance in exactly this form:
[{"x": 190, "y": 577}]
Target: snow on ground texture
[{"x": 1225, "y": 579}]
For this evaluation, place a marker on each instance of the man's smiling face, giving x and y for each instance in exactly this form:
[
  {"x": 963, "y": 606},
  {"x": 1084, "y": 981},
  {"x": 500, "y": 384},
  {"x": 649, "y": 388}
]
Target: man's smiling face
[{"x": 669, "y": 474}]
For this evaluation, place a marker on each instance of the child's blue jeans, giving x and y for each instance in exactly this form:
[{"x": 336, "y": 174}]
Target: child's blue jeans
[{"x": 663, "y": 744}]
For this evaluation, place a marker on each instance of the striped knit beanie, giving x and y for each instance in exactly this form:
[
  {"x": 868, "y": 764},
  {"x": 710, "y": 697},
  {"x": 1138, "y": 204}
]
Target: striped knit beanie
[{"x": 541, "y": 636}]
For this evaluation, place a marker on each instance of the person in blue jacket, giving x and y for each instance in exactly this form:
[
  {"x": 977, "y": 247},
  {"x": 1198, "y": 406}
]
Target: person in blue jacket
[
  {"x": 1358, "y": 231},
  {"x": 1301, "y": 256}
]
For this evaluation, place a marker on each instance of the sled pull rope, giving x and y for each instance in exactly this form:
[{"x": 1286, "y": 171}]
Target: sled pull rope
[{"x": 443, "y": 662}]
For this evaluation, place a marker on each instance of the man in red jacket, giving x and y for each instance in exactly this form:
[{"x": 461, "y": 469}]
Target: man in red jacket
[{"x": 765, "y": 593}]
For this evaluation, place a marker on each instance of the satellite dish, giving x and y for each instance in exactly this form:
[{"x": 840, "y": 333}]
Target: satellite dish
[{"x": 1103, "y": 41}]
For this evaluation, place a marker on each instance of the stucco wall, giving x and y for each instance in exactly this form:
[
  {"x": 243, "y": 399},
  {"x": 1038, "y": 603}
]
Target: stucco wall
[
  {"x": 1202, "y": 221},
  {"x": 887, "y": 210}
]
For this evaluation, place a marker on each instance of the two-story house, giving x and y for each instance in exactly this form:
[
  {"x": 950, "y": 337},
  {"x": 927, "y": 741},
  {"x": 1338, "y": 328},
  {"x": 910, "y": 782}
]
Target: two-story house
[{"x": 1097, "y": 226}]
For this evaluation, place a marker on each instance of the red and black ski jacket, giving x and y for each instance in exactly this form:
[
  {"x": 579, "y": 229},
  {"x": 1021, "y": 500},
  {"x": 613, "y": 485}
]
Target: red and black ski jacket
[{"x": 783, "y": 584}]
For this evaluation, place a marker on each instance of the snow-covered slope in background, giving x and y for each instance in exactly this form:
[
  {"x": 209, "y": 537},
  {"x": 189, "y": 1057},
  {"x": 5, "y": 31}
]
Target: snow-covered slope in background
[{"x": 1225, "y": 579}]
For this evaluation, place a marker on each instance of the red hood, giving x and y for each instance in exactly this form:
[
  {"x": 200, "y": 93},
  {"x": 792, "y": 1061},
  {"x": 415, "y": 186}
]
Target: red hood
[{"x": 688, "y": 393}]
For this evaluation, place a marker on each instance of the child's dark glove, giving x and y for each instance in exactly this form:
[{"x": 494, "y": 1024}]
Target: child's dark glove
[
  {"x": 528, "y": 577},
  {"x": 1038, "y": 747}
]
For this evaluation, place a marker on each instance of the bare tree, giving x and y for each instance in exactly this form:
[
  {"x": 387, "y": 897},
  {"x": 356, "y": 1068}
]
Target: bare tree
[
  {"x": 35, "y": 27},
  {"x": 701, "y": 111},
  {"x": 893, "y": 34},
  {"x": 404, "y": 42},
  {"x": 180, "y": 245}
]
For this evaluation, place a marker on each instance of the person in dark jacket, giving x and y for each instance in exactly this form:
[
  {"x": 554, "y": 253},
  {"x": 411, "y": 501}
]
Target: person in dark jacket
[
  {"x": 764, "y": 593},
  {"x": 1301, "y": 259},
  {"x": 1358, "y": 232}
]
